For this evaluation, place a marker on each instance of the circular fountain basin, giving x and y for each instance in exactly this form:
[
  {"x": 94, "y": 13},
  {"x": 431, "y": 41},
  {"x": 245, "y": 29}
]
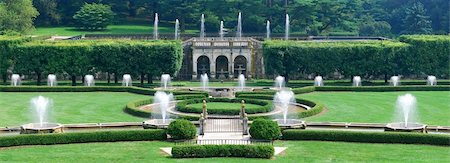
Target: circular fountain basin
[
  {"x": 400, "y": 127},
  {"x": 290, "y": 123},
  {"x": 37, "y": 128},
  {"x": 156, "y": 123}
]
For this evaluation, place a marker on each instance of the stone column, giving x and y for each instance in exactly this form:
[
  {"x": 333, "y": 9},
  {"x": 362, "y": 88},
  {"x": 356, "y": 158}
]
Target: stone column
[{"x": 194, "y": 67}]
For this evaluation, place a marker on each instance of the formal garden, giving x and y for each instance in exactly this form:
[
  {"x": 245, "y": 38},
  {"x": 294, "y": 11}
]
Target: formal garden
[{"x": 100, "y": 81}]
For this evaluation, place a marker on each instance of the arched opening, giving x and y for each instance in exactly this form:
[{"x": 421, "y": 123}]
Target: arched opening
[
  {"x": 240, "y": 66},
  {"x": 203, "y": 66},
  {"x": 222, "y": 67}
]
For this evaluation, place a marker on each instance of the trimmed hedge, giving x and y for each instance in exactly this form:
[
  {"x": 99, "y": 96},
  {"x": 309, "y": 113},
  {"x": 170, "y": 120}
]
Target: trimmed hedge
[
  {"x": 82, "y": 137},
  {"x": 181, "y": 129},
  {"x": 266, "y": 106},
  {"x": 203, "y": 151},
  {"x": 132, "y": 108},
  {"x": 384, "y": 88},
  {"x": 368, "y": 137},
  {"x": 316, "y": 108},
  {"x": 266, "y": 129}
]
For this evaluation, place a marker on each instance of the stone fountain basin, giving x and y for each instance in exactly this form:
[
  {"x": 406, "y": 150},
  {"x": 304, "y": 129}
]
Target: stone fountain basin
[
  {"x": 400, "y": 127},
  {"x": 156, "y": 123},
  {"x": 37, "y": 128},
  {"x": 291, "y": 123}
]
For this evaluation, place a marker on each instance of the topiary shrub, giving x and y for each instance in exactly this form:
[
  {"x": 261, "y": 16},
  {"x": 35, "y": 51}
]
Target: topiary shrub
[
  {"x": 265, "y": 129},
  {"x": 204, "y": 151},
  {"x": 181, "y": 129}
]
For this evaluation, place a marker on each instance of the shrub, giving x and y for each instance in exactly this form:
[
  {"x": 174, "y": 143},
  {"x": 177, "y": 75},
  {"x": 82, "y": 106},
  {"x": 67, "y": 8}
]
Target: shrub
[
  {"x": 368, "y": 137},
  {"x": 94, "y": 16},
  {"x": 202, "y": 151},
  {"x": 82, "y": 137},
  {"x": 181, "y": 129},
  {"x": 265, "y": 129},
  {"x": 265, "y": 106},
  {"x": 384, "y": 88}
]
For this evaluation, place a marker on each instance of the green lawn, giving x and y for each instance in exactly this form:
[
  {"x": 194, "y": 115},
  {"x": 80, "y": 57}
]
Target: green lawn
[
  {"x": 224, "y": 105},
  {"x": 112, "y": 29},
  {"x": 379, "y": 107},
  {"x": 82, "y": 107},
  {"x": 297, "y": 151}
]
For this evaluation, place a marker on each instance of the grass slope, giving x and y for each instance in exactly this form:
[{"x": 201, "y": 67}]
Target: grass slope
[
  {"x": 297, "y": 151},
  {"x": 112, "y": 29},
  {"x": 379, "y": 107},
  {"x": 68, "y": 107}
]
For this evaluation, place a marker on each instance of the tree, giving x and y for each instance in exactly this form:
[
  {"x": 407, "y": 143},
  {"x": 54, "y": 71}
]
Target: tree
[
  {"x": 94, "y": 16},
  {"x": 416, "y": 21},
  {"x": 48, "y": 10},
  {"x": 370, "y": 27},
  {"x": 17, "y": 16}
]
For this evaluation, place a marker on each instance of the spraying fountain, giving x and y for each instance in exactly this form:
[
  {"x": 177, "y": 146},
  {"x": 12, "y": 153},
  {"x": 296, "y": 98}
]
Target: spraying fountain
[
  {"x": 155, "y": 27},
  {"x": 279, "y": 83},
  {"x": 89, "y": 81},
  {"x": 357, "y": 81},
  {"x": 241, "y": 82},
  {"x": 395, "y": 81},
  {"x": 126, "y": 80},
  {"x": 406, "y": 116},
  {"x": 202, "y": 26},
  {"x": 286, "y": 33},
  {"x": 221, "y": 32},
  {"x": 165, "y": 81},
  {"x": 40, "y": 107},
  {"x": 204, "y": 80},
  {"x": 318, "y": 81},
  {"x": 431, "y": 80},
  {"x": 282, "y": 100},
  {"x": 177, "y": 29},
  {"x": 16, "y": 80},
  {"x": 160, "y": 117},
  {"x": 51, "y": 80},
  {"x": 239, "y": 26},
  {"x": 268, "y": 30}
]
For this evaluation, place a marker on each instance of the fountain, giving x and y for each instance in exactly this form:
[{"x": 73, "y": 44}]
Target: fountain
[
  {"x": 395, "y": 81},
  {"x": 160, "y": 118},
  {"x": 239, "y": 26},
  {"x": 40, "y": 107},
  {"x": 283, "y": 100},
  {"x": 51, "y": 80},
  {"x": 279, "y": 82},
  {"x": 204, "y": 80},
  {"x": 89, "y": 80},
  {"x": 405, "y": 116},
  {"x": 431, "y": 80},
  {"x": 155, "y": 27},
  {"x": 165, "y": 81},
  {"x": 268, "y": 30},
  {"x": 286, "y": 34},
  {"x": 177, "y": 29},
  {"x": 202, "y": 27},
  {"x": 126, "y": 81},
  {"x": 221, "y": 32},
  {"x": 356, "y": 81},
  {"x": 16, "y": 80},
  {"x": 241, "y": 80},
  {"x": 318, "y": 81}
]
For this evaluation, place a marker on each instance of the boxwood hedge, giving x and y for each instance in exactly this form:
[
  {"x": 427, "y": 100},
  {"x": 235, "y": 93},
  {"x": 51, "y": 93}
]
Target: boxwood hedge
[
  {"x": 202, "y": 151},
  {"x": 265, "y": 106},
  {"x": 83, "y": 137},
  {"x": 368, "y": 137}
]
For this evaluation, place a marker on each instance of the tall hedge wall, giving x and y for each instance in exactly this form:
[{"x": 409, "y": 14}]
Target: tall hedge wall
[
  {"x": 428, "y": 54},
  {"x": 78, "y": 58},
  {"x": 414, "y": 55},
  {"x": 324, "y": 58},
  {"x": 7, "y": 43}
]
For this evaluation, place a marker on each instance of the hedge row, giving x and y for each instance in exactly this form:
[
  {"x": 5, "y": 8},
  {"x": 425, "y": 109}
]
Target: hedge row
[
  {"x": 202, "y": 151},
  {"x": 316, "y": 108},
  {"x": 82, "y": 137},
  {"x": 7, "y": 44},
  {"x": 368, "y": 137},
  {"x": 384, "y": 88},
  {"x": 265, "y": 106}
]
